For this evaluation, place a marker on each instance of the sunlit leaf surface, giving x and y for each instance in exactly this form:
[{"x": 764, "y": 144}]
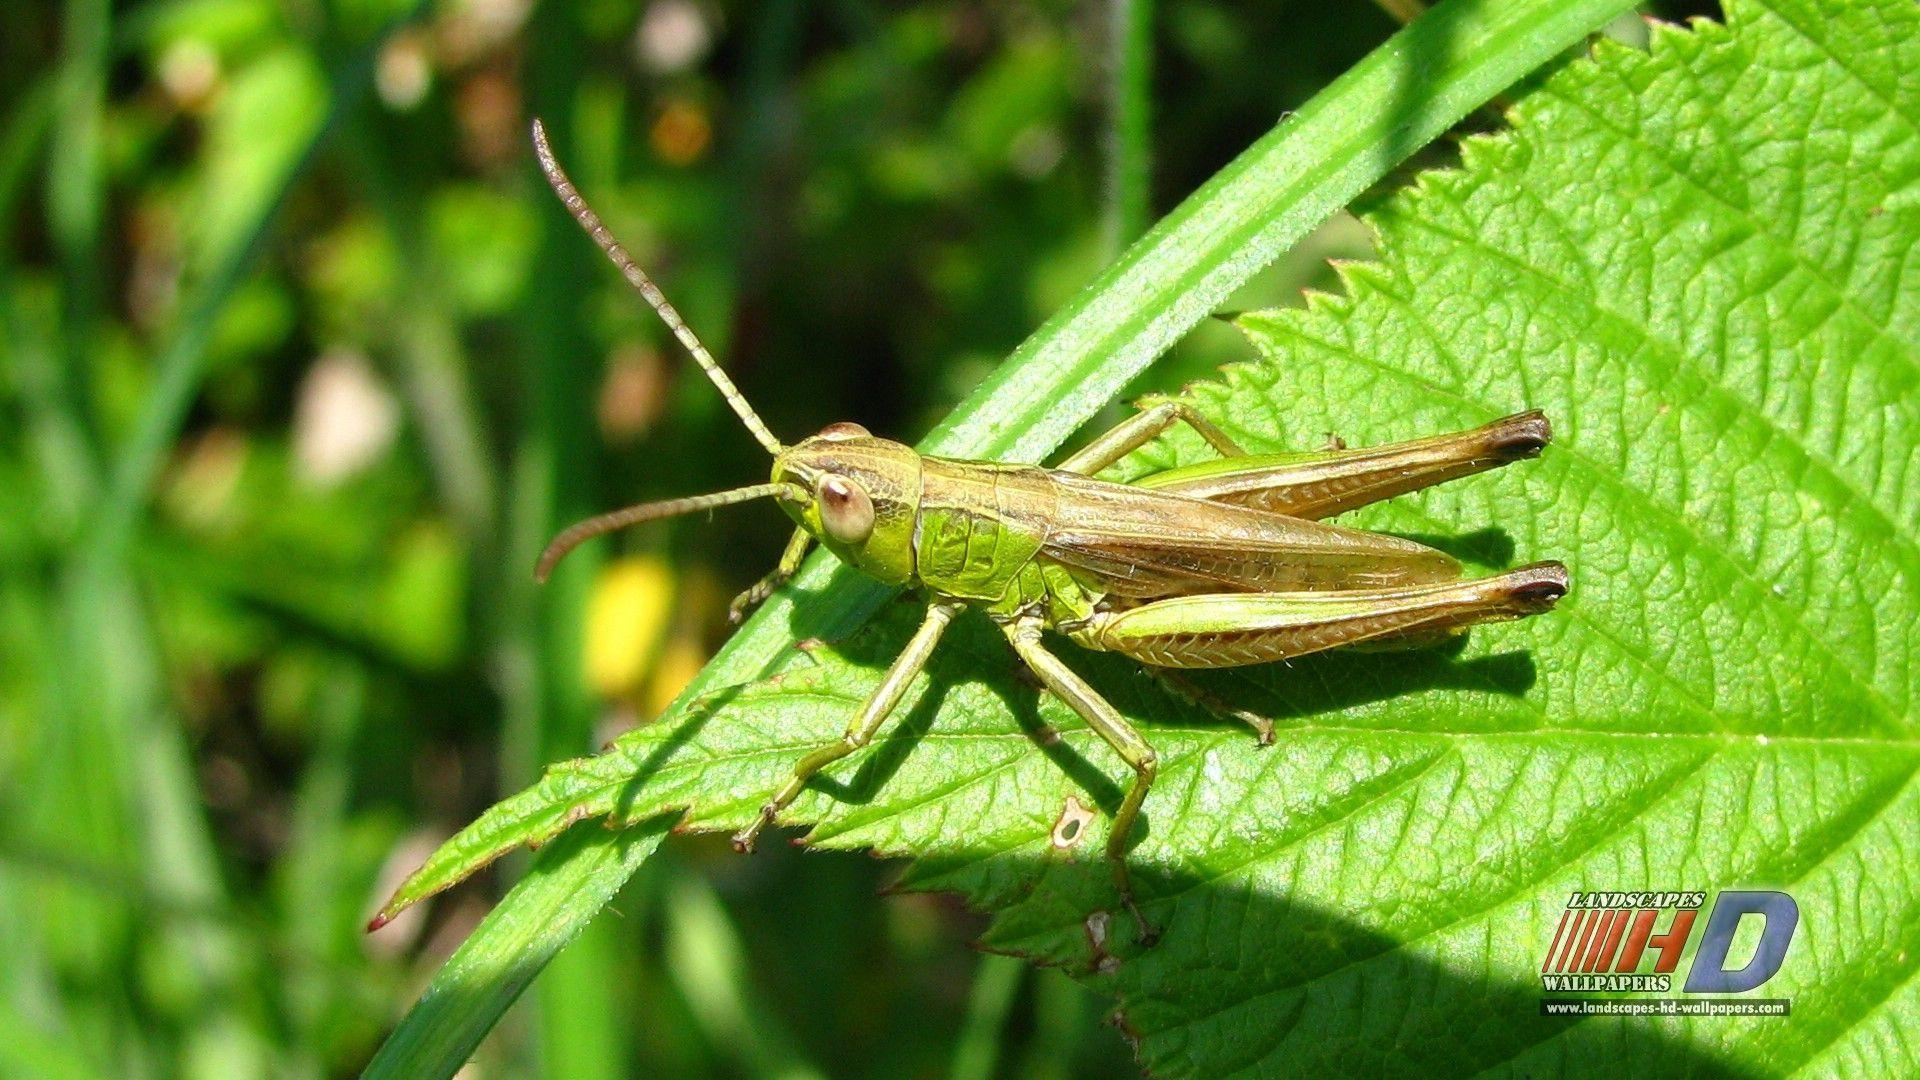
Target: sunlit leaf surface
[{"x": 1696, "y": 260}]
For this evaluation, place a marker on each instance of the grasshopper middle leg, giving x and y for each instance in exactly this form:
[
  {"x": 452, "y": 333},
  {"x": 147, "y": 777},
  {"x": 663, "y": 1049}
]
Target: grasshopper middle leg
[
  {"x": 1107, "y": 722},
  {"x": 865, "y": 723}
]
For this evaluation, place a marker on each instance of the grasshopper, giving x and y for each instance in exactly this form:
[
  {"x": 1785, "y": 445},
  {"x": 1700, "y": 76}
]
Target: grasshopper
[{"x": 1213, "y": 565}]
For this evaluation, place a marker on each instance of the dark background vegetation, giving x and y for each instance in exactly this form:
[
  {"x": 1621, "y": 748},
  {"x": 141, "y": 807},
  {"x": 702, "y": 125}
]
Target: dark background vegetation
[{"x": 317, "y": 650}]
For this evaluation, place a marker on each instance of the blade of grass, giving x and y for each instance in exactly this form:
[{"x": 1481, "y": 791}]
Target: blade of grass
[
  {"x": 583, "y": 1029},
  {"x": 1059, "y": 1007},
  {"x": 26, "y": 1049},
  {"x": 180, "y": 360},
  {"x": 76, "y": 187},
  {"x": 112, "y": 781},
  {"x": 58, "y": 435},
  {"x": 1129, "y": 149},
  {"x": 428, "y": 351},
  {"x": 489, "y": 970},
  {"x": 548, "y": 709},
  {"x": 995, "y": 982},
  {"x": 555, "y": 466},
  {"x": 26, "y": 128},
  {"x": 310, "y": 882},
  {"x": 706, "y": 960},
  {"x": 1403, "y": 95}
]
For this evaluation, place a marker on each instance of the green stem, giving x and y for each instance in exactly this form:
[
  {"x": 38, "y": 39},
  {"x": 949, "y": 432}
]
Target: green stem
[{"x": 489, "y": 971}]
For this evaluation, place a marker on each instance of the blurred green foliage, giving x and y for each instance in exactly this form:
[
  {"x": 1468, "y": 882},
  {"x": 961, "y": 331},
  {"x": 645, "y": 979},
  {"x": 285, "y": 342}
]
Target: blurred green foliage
[{"x": 300, "y": 364}]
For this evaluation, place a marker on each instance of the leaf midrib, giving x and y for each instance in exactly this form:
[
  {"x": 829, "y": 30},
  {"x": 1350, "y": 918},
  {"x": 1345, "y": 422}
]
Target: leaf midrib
[
  {"x": 1194, "y": 741},
  {"x": 849, "y": 702},
  {"x": 1180, "y": 747}
]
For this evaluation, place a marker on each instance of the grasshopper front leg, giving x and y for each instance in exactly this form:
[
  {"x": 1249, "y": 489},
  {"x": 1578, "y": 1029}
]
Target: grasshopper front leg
[
  {"x": 789, "y": 565},
  {"x": 1107, "y": 722},
  {"x": 860, "y": 731}
]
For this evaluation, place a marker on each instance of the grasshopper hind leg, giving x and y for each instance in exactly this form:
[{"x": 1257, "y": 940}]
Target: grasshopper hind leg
[
  {"x": 1235, "y": 629},
  {"x": 1333, "y": 481}
]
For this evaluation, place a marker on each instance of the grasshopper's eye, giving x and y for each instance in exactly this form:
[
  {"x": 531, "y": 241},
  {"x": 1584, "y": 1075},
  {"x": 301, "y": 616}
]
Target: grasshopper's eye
[
  {"x": 846, "y": 510},
  {"x": 845, "y": 429}
]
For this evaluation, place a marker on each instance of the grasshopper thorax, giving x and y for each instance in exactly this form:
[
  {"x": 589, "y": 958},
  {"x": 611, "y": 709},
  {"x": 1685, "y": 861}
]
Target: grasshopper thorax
[{"x": 864, "y": 494}]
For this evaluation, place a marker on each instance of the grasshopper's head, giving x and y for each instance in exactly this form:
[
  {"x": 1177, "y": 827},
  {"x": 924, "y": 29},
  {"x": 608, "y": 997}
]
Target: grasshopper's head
[
  {"x": 862, "y": 494},
  {"x": 854, "y": 493}
]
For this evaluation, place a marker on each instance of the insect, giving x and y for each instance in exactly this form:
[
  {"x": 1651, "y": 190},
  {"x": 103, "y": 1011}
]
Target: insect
[{"x": 1212, "y": 565}]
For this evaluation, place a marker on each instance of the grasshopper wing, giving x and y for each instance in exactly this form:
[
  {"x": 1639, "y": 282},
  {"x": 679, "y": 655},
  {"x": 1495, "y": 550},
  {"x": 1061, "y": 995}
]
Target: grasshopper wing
[{"x": 1142, "y": 543}]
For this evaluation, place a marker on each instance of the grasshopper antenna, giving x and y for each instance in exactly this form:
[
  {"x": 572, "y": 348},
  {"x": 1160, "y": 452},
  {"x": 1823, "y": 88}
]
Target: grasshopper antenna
[
  {"x": 635, "y": 515},
  {"x": 590, "y": 221}
]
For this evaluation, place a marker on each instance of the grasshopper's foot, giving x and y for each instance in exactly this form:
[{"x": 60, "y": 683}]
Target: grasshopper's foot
[
  {"x": 744, "y": 839},
  {"x": 1194, "y": 692},
  {"x": 1149, "y": 933},
  {"x": 759, "y": 591},
  {"x": 1262, "y": 726},
  {"x": 743, "y": 605}
]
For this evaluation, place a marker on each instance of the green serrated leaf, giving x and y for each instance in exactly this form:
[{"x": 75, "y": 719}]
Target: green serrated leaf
[
  {"x": 1408, "y": 91},
  {"x": 1696, "y": 261}
]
